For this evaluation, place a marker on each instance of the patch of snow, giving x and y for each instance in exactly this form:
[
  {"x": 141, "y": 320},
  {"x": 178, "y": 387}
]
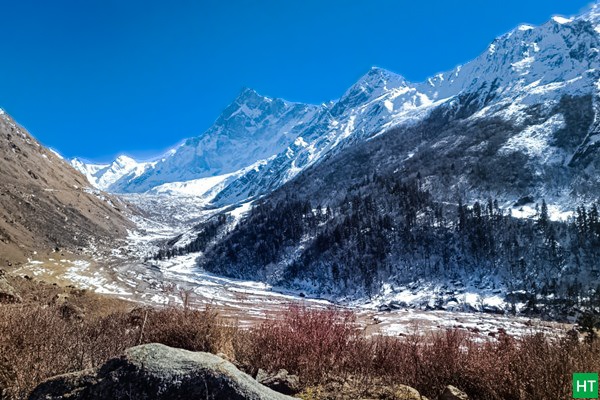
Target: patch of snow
[
  {"x": 535, "y": 140},
  {"x": 561, "y": 20},
  {"x": 389, "y": 105},
  {"x": 300, "y": 142},
  {"x": 525, "y": 27},
  {"x": 196, "y": 187},
  {"x": 242, "y": 210},
  {"x": 56, "y": 153}
]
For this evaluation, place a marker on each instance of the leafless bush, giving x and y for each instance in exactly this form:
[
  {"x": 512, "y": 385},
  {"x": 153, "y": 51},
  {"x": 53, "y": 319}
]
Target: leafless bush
[
  {"x": 321, "y": 346},
  {"x": 38, "y": 342},
  {"x": 195, "y": 330},
  {"x": 313, "y": 344}
]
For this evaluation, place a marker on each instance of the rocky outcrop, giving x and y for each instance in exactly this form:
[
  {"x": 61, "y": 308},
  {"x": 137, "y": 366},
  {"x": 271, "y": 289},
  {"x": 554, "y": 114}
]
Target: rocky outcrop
[
  {"x": 453, "y": 393},
  {"x": 155, "y": 371}
]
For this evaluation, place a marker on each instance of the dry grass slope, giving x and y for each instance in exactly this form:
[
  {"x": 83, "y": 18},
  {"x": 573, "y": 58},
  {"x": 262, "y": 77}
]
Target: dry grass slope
[{"x": 43, "y": 201}]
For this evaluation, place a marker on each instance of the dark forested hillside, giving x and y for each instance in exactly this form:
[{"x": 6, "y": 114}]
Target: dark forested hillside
[
  {"x": 430, "y": 203},
  {"x": 388, "y": 230}
]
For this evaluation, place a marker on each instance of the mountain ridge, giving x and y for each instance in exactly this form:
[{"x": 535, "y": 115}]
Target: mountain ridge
[
  {"x": 526, "y": 66},
  {"x": 68, "y": 216}
]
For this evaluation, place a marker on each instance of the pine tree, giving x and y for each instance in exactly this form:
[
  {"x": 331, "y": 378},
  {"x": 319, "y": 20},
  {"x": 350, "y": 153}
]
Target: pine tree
[{"x": 543, "y": 216}]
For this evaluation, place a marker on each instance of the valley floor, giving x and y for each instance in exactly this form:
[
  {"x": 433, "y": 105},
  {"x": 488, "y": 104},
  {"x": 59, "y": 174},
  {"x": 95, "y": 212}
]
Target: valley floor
[{"x": 125, "y": 273}]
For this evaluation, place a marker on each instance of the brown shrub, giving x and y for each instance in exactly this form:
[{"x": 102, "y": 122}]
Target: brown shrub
[
  {"x": 325, "y": 345},
  {"x": 312, "y": 344},
  {"x": 194, "y": 330},
  {"x": 38, "y": 342}
]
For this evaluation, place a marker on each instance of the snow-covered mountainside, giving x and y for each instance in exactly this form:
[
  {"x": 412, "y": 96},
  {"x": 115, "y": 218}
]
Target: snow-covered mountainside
[
  {"x": 259, "y": 143},
  {"x": 529, "y": 66},
  {"x": 103, "y": 176},
  {"x": 251, "y": 129}
]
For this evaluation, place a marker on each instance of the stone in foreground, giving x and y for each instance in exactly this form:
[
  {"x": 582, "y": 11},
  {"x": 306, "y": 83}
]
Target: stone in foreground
[
  {"x": 155, "y": 371},
  {"x": 281, "y": 382},
  {"x": 453, "y": 393}
]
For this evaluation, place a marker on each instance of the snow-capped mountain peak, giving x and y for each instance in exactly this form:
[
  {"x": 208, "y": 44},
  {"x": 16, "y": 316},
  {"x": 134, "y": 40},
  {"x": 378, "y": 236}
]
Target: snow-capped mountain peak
[
  {"x": 527, "y": 66},
  {"x": 125, "y": 161},
  {"x": 252, "y": 128},
  {"x": 248, "y": 96},
  {"x": 102, "y": 176},
  {"x": 371, "y": 86},
  {"x": 527, "y": 60},
  {"x": 379, "y": 79}
]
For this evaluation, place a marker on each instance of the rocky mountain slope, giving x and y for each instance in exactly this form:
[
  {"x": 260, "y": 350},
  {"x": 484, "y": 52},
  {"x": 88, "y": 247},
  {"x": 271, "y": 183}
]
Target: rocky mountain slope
[
  {"x": 45, "y": 205},
  {"x": 252, "y": 129}
]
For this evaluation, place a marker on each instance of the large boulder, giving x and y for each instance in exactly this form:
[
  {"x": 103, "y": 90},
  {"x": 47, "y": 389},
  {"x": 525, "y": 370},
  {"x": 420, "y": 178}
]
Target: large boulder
[
  {"x": 155, "y": 371},
  {"x": 453, "y": 393}
]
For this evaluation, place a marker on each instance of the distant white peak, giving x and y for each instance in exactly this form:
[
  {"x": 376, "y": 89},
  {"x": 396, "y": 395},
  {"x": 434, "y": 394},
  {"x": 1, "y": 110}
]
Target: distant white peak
[
  {"x": 2, "y": 112},
  {"x": 372, "y": 84},
  {"x": 248, "y": 103},
  {"x": 124, "y": 160},
  {"x": 525, "y": 27},
  {"x": 561, "y": 20},
  {"x": 382, "y": 78},
  {"x": 249, "y": 95}
]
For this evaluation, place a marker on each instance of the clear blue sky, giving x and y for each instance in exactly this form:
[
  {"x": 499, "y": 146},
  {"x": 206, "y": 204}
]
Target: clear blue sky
[{"x": 97, "y": 78}]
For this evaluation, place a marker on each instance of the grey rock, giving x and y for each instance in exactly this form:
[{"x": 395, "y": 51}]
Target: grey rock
[
  {"x": 281, "y": 382},
  {"x": 492, "y": 309},
  {"x": 453, "y": 393},
  {"x": 155, "y": 371},
  {"x": 384, "y": 308},
  {"x": 404, "y": 392},
  {"x": 397, "y": 305}
]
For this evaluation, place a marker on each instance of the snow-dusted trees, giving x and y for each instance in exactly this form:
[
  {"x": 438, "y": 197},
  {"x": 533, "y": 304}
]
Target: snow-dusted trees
[{"x": 388, "y": 229}]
